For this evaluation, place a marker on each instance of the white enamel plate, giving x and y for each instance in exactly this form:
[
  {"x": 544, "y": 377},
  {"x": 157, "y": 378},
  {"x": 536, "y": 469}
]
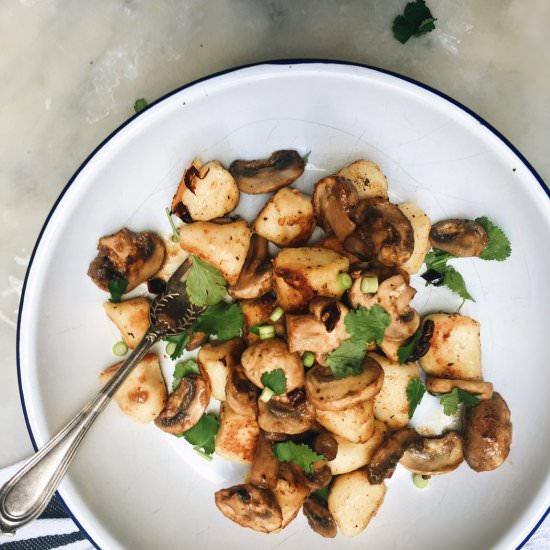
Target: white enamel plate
[{"x": 133, "y": 486}]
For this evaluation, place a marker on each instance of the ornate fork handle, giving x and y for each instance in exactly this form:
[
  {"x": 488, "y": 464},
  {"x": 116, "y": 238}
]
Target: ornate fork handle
[{"x": 27, "y": 493}]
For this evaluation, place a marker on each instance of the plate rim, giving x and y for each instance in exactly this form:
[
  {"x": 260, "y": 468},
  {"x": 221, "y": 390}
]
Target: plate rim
[{"x": 291, "y": 61}]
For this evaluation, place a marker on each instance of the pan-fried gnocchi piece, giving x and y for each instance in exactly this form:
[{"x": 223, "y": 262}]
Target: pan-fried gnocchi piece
[
  {"x": 390, "y": 404},
  {"x": 307, "y": 272},
  {"x": 351, "y": 456},
  {"x": 222, "y": 245},
  {"x": 353, "y": 502},
  {"x": 143, "y": 394},
  {"x": 206, "y": 191},
  {"x": 290, "y": 491},
  {"x": 367, "y": 178},
  {"x": 421, "y": 226},
  {"x": 215, "y": 359},
  {"x": 174, "y": 257},
  {"x": 455, "y": 348},
  {"x": 237, "y": 436},
  {"x": 287, "y": 218},
  {"x": 131, "y": 317},
  {"x": 355, "y": 423}
]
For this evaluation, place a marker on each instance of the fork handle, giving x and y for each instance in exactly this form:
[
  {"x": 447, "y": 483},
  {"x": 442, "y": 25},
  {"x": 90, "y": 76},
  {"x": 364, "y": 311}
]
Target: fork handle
[{"x": 27, "y": 493}]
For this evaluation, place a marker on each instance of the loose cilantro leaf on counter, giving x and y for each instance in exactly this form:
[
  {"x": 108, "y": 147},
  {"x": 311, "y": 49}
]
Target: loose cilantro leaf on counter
[
  {"x": 416, "y": 20},
  {"x": 364, "y": 326},
  {"x": 415, "y": 393},
  {"x": 140, "y": 104},
  {"x": 182, "y": 369},
  {"x": 451, "y": 400},
  {"x": 275, "y": 380},
  {"x": 181, "y": 340},
  {"x": 499, "y": 247},
  {"x": 205, "y": 284},
  {"x": 117, "y": 287},
  {"x": 203, "y": 434},
  {"x": 302, "y": 455},
  {"x": 222, "y": 320},
  {"x": 405, "y": 351}
]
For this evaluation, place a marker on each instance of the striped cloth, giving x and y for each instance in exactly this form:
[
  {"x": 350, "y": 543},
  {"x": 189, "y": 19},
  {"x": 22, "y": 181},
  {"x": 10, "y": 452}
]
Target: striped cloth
[{"x": 54, "y": 528}]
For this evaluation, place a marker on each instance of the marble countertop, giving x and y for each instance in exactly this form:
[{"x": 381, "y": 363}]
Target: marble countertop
[{"x": 72, "y": 71}]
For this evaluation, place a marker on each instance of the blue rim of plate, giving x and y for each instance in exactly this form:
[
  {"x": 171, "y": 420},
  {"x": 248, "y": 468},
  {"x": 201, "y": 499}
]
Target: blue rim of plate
[{"x": 289, "y": 62}]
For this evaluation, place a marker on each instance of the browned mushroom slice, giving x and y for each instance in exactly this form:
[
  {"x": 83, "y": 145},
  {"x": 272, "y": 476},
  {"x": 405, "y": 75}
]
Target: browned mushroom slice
[
  {"x": 320, "y": 477},
  {"x": 267, "y": 175},
  {"x": 251, "y": 507},
  {"x": 332, "y": 243},
  {"x": 484, "y": 390},
  {"x": 134, "y": 257},
  {"x": 291, "y": 491},
  {"x": 330, "y": 394},
  {"x": 185, "y": 406},
  {"x": 436, "y": 455},
  {"x": 240, "y": 393},
  {"x": 462, "y": 238},
  {"x": 334, "y": 200},
  {"x": 196, "y": 340},
  {"x": 383, "y": 233},
  {"x": 325, "y": 444},
  {"x": 265, "y": 466},
  {"x": 319, "y": 517},
  {"x": 288, "y": 414},
  {"x": 387, "y": 456},
  {"x": 256, "y": 278}
]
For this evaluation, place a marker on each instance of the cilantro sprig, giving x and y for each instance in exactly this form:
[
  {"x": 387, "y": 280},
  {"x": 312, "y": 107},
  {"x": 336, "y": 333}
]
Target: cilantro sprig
[
  {"x": 117, "y": 287},
  {"x": 499, "y": 247},
  {"x": 182, "y": 369},
  {"x": 415, "y": 393},
  {"x": 205, "y": 284},
  {"x": 451, "y": 400},
  {"x": 181, "y": 340},
  {"x": 301, "y": 454},
  {"x": 364, "y": 326},
  {"x": 436, "y": 261},
  {"x": 417, "y": 19},
  {"x": 222, "y": 320},
  {"x": 203, "y": 435},
  {"x": 275, "y": 380},
  {"x": 407, "y": 349}
]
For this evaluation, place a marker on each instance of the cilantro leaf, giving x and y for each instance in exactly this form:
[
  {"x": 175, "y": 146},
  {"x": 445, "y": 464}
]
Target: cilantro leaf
[
  {"x": 406, "y": 350},
  {"x": 347, "y": 359},
  {"x": 117, "y": 287},
  {"x": 222, "y": 320},
  {"x": 302, "y": 455},
  {"x": 416, "y": 20},
  {"x": 140, "y": 104},
  {"x": 436, "y": 262},
  {"x": 203, "y": 434},
  {"x": 181, "y": 340},
  {"x": 322, "y": 493},
  {"x": 451, "y": 400},
  {"x": 415, "y": 393},
  {"x": 454, "y": 281},
  {"x": 305, "y": 158},
  {"x": 275, "y": 380},
  {"x": 499, "y": 247},
  {"x": 205, "y": 284},
  {"x": 182, "y": 369},
  {"x": 437, "y": 259}
]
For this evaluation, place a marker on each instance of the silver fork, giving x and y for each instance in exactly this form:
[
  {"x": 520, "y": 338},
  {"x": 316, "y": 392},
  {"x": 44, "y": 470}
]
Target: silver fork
[{"x": 25, "y": 496}]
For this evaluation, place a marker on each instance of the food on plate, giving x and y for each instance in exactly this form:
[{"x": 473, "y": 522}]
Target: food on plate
[{"x": 315, "y": 353}]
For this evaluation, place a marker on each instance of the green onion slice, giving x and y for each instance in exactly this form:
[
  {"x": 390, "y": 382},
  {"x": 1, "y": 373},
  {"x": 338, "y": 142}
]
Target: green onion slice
[
  {"x": 308, "y": 358},
  {"x": 266, "y": 332},
  {"x": 369, "y": 285},
  {"x": 345, "y": 281},
  {"x": 278, "y": 312},
  {"x": 420, "y": 482},
  {"x": 120, "y": 349}
]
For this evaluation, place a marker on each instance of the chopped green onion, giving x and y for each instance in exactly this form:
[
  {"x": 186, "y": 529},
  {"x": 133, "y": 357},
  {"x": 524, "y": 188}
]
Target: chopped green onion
[
  {"x": 345, "y": 281},
  {"x": 266, "y": 332},
  {"x": 420, "y": 482},
  {"x": 266, "y": 395},
  {"x": 120, "y": 349},
  {"x": 175, "y": 232},
  {"x": 369, "y": 285},
  {"x": 170, "y": 348},
  {"x": 278, "y": 312},
  {"x": 199, "y": 451},
  {"x": 308, "y": 359}
]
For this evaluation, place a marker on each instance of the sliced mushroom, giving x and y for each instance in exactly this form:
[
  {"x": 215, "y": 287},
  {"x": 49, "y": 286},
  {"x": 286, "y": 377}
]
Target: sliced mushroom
[
  {"x": 387, "y": 456},
  {"x": 332, "y": 243},
  {"x": 484, "y": 390},
  {"x": 134, "y": 257},
  {"x": 240, "y": 393},
  {"x": 251, "y": 507},
  {"x": 256, "y": 278},
  {"x": 334, "y": 200},
  {"x": 265, "y": 466},
  {"x": 196, "y": 340},
  {"x": 462, "y": 238},
  {"x": 269, "y": 355},
  {"x": 185, "y": 406},
  {"x": 267, "y": 175},
  {"x": 291, "y": 491},
  {"x": 383, "y": 233},
  {"x": 319, "y": 517},
  {"x": 289, "y": 414},
  {"x": 436, "y": 455},
  {"x": 325, "y": 444},
  {"x": 320, "y": 477},
  {"x": 328, "y": 393}
]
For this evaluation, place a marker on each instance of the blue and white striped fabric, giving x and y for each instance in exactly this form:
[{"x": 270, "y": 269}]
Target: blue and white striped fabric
[{"x": 54, "y": 529}]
